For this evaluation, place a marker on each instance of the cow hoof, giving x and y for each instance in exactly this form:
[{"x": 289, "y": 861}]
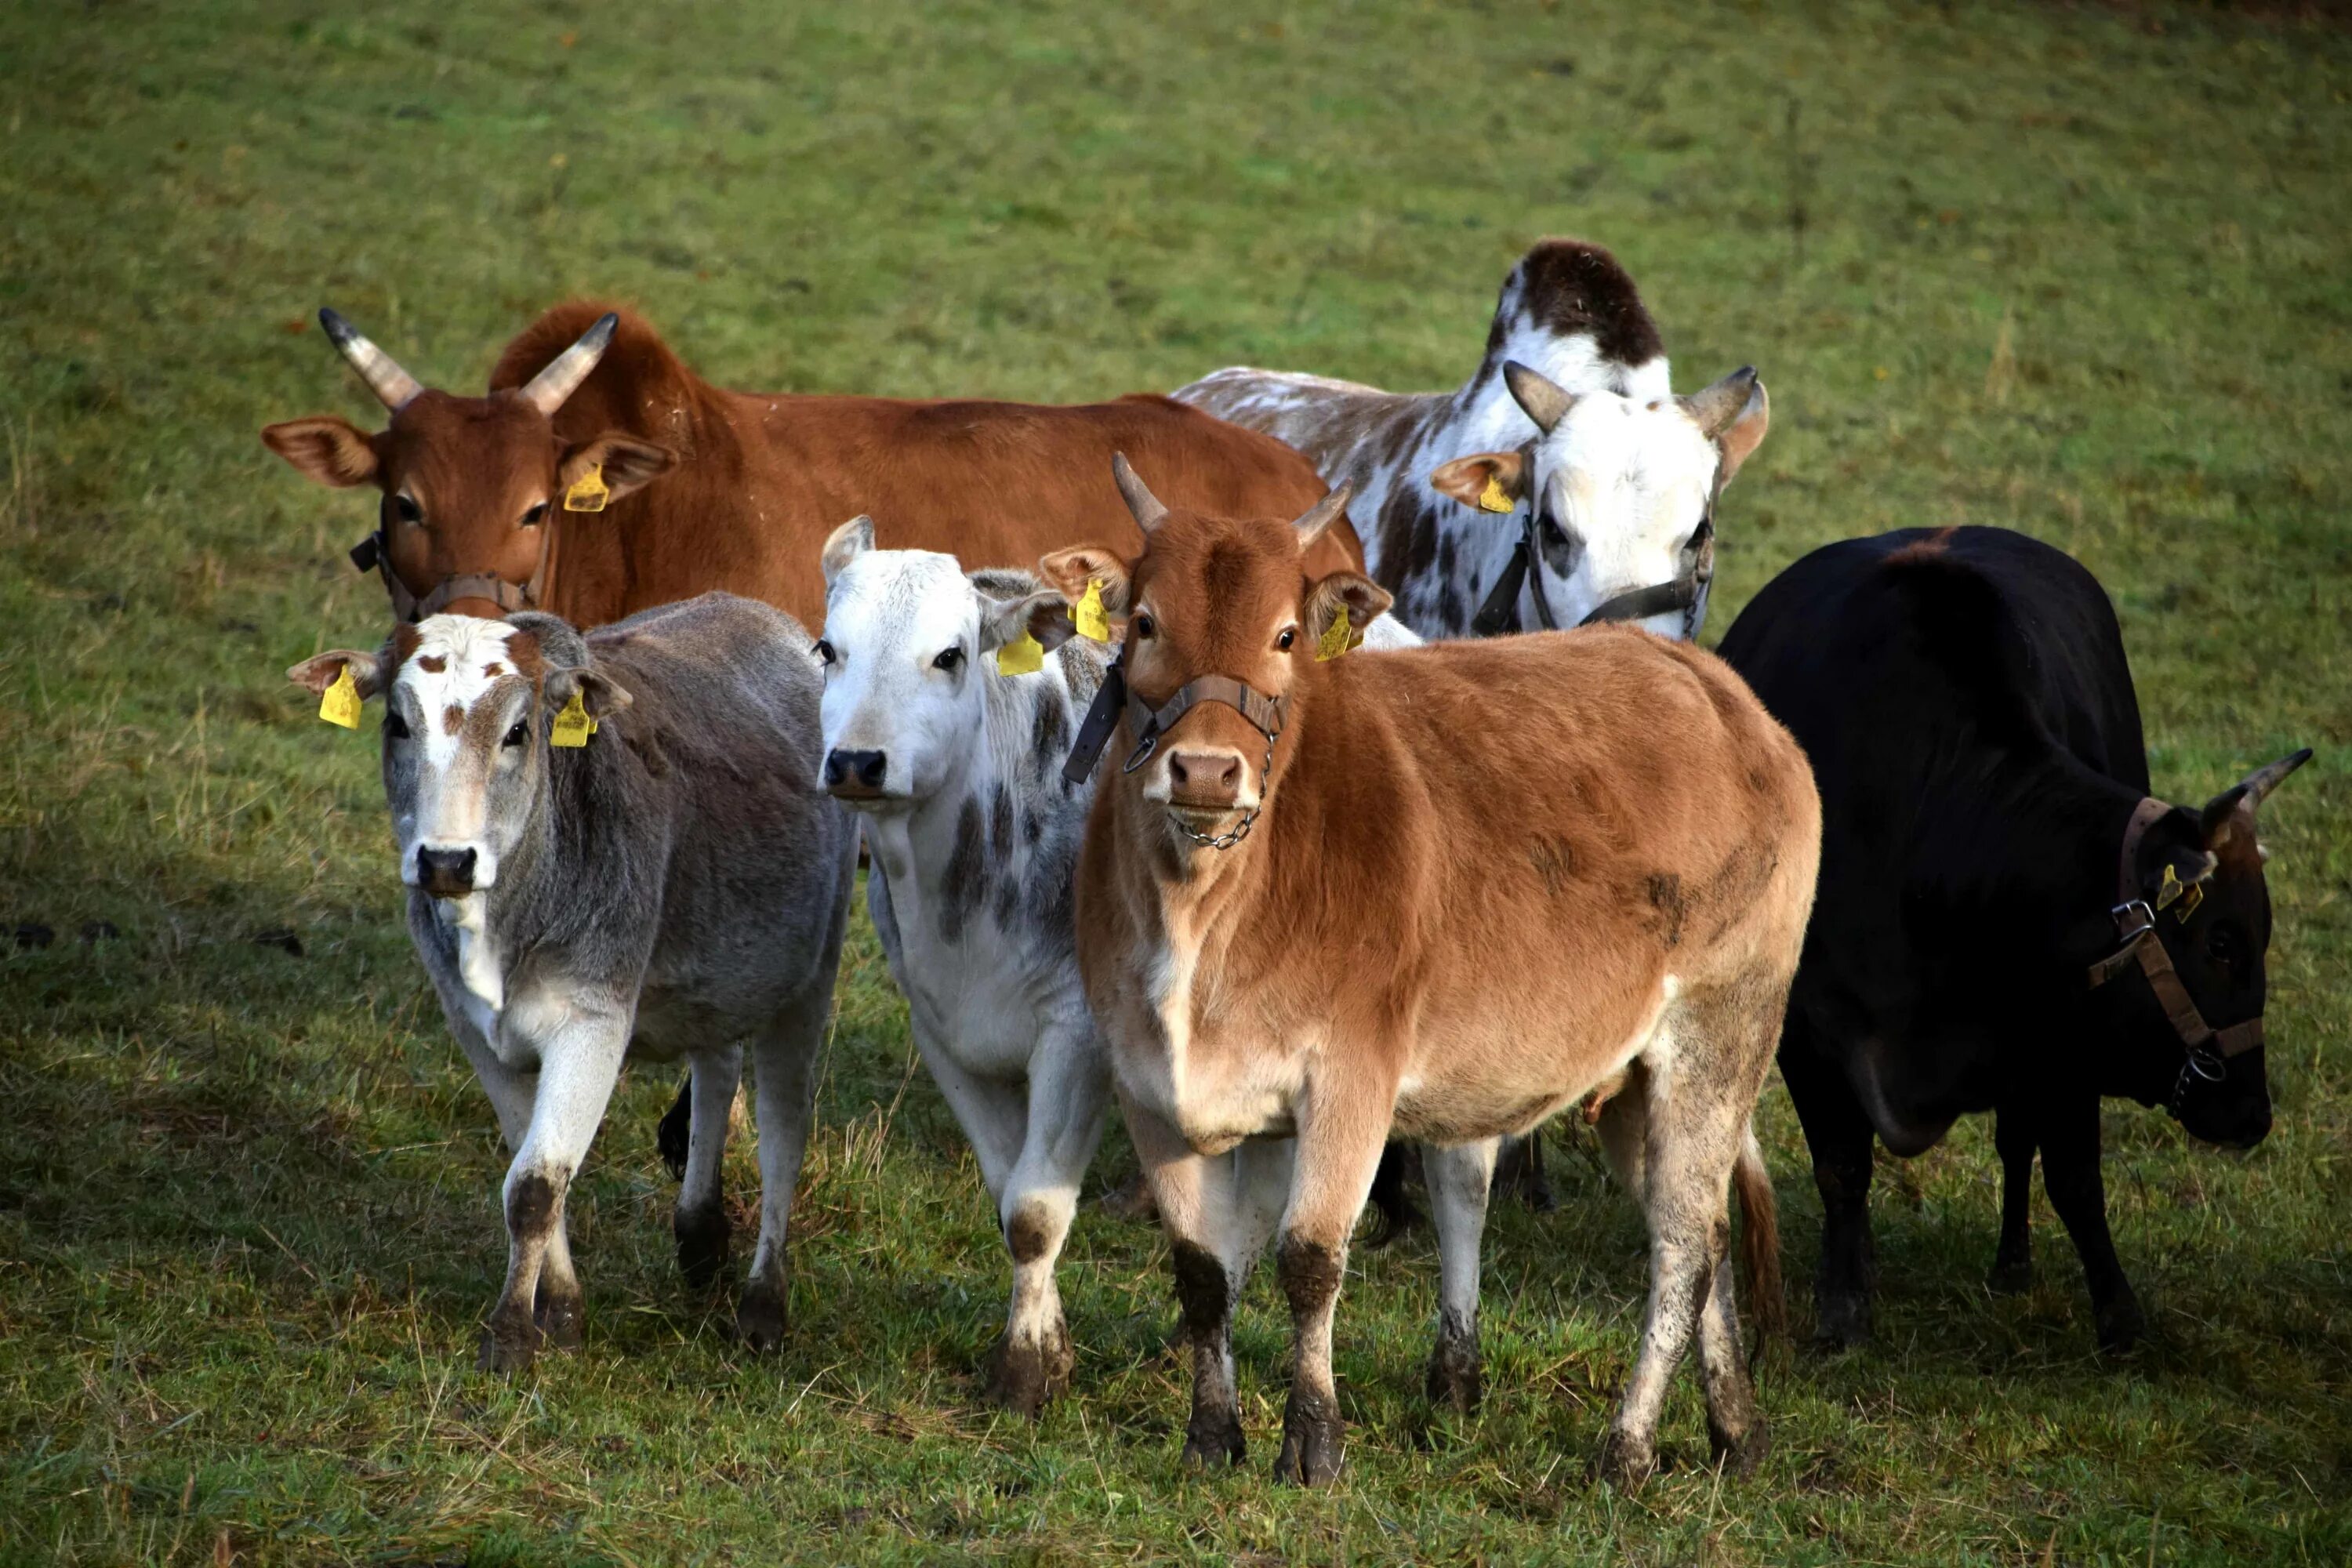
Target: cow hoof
[
  {"x": 701, "y": 1244},
  {"x": 1626, "y": 1461},
  {"x": 2121, "y": 1327},
  {"x": 1842, "y": 1322},
  {"x": 760, "y": 1319},
  {"x": 1738, "y": 1456},
  {"x": 508, "y": 1348},
  {"x": 1026, "y": 1376},
  {"x": 1455, "y": 1380},
  {"x": 1213, "y": 1438},
  {"x": 2011, "y": 1275},
  {"x": 560, "y": 1320},
  {"x": 1311, "y": 1435}
]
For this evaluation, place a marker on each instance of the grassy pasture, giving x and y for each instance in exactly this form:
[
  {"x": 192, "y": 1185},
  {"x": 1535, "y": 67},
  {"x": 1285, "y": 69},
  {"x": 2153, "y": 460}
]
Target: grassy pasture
[{"x": 2075, "y": 271}]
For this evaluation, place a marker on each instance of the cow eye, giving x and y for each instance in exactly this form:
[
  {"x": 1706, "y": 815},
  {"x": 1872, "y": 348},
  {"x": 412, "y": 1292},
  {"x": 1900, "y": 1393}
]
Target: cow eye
[
  {"x": 1289, "y": 636},
  {"x": 824, "y": 651},
  {"x": 951, "y": 659},
  {"x": 394, "y": 725},
  {"x": 531, "y": 517},
  {"x": 406, "y": 510},
  {"x": 519, "y": 732},
  {"x": 1142, "y": 627}
]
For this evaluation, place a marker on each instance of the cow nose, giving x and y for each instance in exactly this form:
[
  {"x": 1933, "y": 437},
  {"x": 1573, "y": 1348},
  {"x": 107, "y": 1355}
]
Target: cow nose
[
  {"x": 855, "y": 772},
  {"x": 1206, "y": 778},
  {"x": 446, "y": 873}
]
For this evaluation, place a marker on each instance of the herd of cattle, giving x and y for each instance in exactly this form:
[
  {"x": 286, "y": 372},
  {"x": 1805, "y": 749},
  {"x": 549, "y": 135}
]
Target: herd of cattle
[{"x": 1320, "y": 901}]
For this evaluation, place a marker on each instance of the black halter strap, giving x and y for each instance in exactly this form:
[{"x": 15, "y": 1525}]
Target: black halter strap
[
  {"x": 372, "y": 555},
  {"x": 1499, "y": 614}
]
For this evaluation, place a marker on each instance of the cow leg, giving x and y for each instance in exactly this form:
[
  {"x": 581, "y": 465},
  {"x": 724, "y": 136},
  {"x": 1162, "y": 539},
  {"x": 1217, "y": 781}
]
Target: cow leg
[
  {"x": 1342, "y": 1127},
  {"x": 2070, "y": 1174},
  {"x": 2012, "y": 1264},
  {"x": 1839, "y": 1133},
  {"x": 1520, "y": 1169},
  {"x": 700, "y": 1222},
  {"x": 578, "y": 1068},
  {"x": 1217, "y": 1212},
  {"x": 1069, "y": 1090},
  {"x": 1459, "y": 1179},
  {"x": 994, "y": 1116},
  {"x": 784, "y": 1087}
]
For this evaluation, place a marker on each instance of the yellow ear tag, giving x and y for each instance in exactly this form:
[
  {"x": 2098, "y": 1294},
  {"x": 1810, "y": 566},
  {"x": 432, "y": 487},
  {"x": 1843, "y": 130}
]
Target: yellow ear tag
[
  {"x": 340, "y": 703},
  {"x": 1492, "y": 497},
  {"x": 573, "y": 725},
  {"x": 1088, "y": 616},
  {"x": 588, "y": 492},
  {"x": 2190, "y": 896},
  {"x": 2168, "y": 889},
  {"x": 1024, "y": 655},
  {"x": 1334, "y": 640}
]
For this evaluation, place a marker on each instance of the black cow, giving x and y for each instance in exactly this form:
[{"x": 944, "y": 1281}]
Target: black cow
[{"x": 2006, "y": 921}]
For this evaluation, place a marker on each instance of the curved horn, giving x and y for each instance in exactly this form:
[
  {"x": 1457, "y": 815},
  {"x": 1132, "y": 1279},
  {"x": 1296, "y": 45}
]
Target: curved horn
[
  {"x": 1540, "y": 398},
  {"x": 392, "y": 386},
  {"x": 1148, "y": 513},
  {"x": 1713, "y": 408},
  {"x": 2249, "y": 792},
  {"x": 567, "y": 370},
  {"x": 1324, "y": 513}
]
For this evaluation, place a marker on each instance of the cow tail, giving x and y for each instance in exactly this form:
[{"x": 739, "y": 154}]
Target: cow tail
[{"x": 1760, "y": 1242}]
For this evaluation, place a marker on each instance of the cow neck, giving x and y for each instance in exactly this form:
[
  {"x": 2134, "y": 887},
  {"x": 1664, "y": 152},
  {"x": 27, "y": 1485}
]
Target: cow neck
[{"x": 572, "y": 865}]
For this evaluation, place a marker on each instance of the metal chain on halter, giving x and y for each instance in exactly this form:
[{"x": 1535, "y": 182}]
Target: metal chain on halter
[{"x": 1241, "y": 829}]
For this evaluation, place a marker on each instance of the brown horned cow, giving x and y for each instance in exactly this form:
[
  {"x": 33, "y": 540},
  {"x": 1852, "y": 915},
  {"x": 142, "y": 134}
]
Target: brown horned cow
[
  {"x": 1443, "y": 891},
  {"x": 484, "y": 510}
]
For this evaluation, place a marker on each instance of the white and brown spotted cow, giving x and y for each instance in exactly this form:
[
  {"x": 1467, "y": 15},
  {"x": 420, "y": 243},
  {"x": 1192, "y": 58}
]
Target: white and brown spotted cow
[
  {"x": 1443, "y": 892},
  {"x": 674, "y": 884},
  {"x": 1562, "y": 482}
]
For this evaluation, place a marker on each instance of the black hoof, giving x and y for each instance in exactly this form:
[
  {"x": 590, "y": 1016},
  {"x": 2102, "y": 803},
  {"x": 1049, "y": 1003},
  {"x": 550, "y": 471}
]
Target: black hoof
[
  {"x": 1212, "y": 1438},
  {"x": 2121, "y": 1327},
  {"x": 1842, "y": 1322},
  {"x": 1625, "y": 1463},
  {"x": 702, "y": 1236},
  {"x": 1738, "y": 1456},
  {"x": 560, "y": 1320},
  {"x": 1455, "y": 1380},
  {"x": 1026, "y": 1377},
  {"x": 2011, "y": 1275},
  {"x": 760, "y": 1319},
  {"x": 508, "y": 1347},
  {"x": 1311, "y": 1438}
]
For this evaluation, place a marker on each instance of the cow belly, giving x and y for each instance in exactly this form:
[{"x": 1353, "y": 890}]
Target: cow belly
[
  {"x": 981, "y": 1001},
  {"x": 1906, "y": 1127}
]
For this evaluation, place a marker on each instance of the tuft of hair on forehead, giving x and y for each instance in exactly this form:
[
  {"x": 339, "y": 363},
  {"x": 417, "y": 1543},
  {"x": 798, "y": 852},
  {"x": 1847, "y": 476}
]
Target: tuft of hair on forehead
[
  {"x": 1572, "y": 288},
  {"x": 1224, "y": 555},
  {"x": 465, "y": 652}
]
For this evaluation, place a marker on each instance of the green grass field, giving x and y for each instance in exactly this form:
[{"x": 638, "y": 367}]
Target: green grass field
[{"x": 2080, "y": 272}]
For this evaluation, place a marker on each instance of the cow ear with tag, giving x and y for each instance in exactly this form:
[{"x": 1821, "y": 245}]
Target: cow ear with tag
[
  {"x": 1088, "y": 574},
  {"x": 1358, "y": 599},
  {"x": 2172, "y": 858},
  {"x": 617, "y": 464},
  {"x": 1491, "y": 481},
  {"x": 323, "y": 671},
  {"x": 1042, "y": 617},
  {"x": 597, "y": 695}
]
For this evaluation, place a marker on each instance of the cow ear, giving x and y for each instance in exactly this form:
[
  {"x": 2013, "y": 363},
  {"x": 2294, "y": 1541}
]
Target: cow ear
[
  {"x": 320, "y": 671},
  {"x": 629, "y": 464},
  {"x": 1363, "y": 599},
  {"x": 846, "y": 544},
  {"x": 1043, "y": 616},
  {"x": 600, "y": 694},
  {"x": 330, "y": 449},
  {"x": 1474, "y": 481},
  {"x": 1746, "y": 431},
  {"x": 1069, "y": 571},
  {"x": 2172, "y": 857}
]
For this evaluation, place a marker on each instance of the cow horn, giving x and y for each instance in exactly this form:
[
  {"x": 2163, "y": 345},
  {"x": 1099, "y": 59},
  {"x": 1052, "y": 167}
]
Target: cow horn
[
  {"x": 1324, "y": 513},
  {"x": 567, "y": 370},
  {"x": 392, "y": 385},
  {"x": 1541, "y": 398},
  {"x": 1148, "y": 513},
  {"x": 1713, "y": 408},
  {"x": 2249, "y": 792}
]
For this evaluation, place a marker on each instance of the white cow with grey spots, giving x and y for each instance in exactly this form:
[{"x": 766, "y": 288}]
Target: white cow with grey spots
[{"x": 674, "y": 884}]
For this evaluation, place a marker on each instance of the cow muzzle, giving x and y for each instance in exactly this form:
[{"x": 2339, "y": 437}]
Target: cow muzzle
[
  {"x": 447, "y": 873},
  {"x": 1207, "y": 784},
  {"x": 856, "y": 776}
]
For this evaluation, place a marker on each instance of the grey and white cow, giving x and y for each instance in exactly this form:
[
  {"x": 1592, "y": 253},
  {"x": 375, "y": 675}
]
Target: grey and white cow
[
  {"x": 674, "y": 884},
  {"x": 973, "y": 836},
  {"x": 1563, "y": 481}
]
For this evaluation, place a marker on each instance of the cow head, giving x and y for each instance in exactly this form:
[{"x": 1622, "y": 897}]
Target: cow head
[
  {"x": 470, "y": 485},
  {"x": 2199, "y": 873},
  {"x": 469, "y": 705},
  {"x": 1226, "y": 600},
  {"x": 908, "y": 650},
  {"x": 1617, "y": 495}
]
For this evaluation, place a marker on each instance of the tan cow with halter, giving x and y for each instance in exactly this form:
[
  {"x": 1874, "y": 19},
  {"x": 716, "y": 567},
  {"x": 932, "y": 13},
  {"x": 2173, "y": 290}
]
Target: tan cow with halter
[{"x": 1442, "y": 892}]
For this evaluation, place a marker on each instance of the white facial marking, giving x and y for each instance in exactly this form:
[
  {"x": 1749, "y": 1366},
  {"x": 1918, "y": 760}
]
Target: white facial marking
[
  {"x": 459, "y": 662},
  {"x": 1629, "y": 483},
  {"x": 888, "y": 615}
]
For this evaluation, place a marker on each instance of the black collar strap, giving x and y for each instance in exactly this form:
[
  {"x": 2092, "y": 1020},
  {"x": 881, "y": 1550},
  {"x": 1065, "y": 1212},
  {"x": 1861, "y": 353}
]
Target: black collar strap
[
  {"x": 1263, "y": 713},
  {"x": 1499, "y": 614},
  {"x": 370, "y": 554}
]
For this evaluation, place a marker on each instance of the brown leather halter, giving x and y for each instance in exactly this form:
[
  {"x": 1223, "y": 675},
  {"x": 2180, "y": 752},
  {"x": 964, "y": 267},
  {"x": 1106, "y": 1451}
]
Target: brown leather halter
[
  {"x": 1263, "y": 712},
  {"x": 2209, "y": 1048},
  {"x": 374, "y": 553}
]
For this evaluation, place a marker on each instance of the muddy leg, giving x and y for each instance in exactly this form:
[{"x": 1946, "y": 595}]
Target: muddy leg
[
  {"x": 1459, "y": 1180},
  {"x": 700, "y": 1223},
  {"x": 1070, "y": 1091},
  {"x": 1342, "y": 1125}
]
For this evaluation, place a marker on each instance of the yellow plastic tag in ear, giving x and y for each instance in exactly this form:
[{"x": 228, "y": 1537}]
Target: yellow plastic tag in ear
[
  {"x": 1024, "y": 655},
  {"x": 1334, "y": 640},
  {"x": 1088, "y": 616},
  {"x": 573, "y": 725},
  {"x": 588, "y": 492},
  {"x": 2192, "y": 895},
  {"x": 1492, "y": 497},
  {"x": 340, "y": 703},
  {"x": 2169, "y": 889}
]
